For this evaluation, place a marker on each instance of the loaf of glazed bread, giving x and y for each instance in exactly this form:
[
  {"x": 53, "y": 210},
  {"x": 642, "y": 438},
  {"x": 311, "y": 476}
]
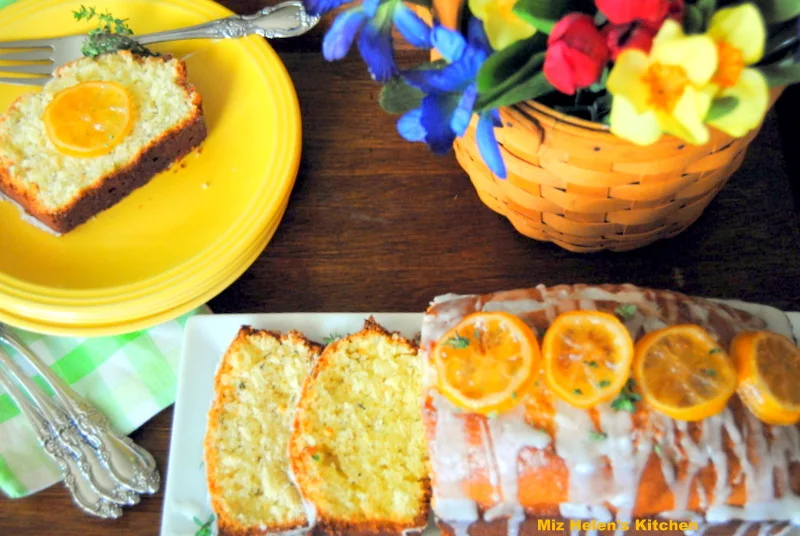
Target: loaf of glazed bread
[{"x": 537, "y": 468}]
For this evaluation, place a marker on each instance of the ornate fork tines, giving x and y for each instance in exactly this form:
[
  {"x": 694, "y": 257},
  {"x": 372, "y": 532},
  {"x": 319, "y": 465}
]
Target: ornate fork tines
[
  {"x": 128, "y": 464},
  {"x": 83, "y": 494}
]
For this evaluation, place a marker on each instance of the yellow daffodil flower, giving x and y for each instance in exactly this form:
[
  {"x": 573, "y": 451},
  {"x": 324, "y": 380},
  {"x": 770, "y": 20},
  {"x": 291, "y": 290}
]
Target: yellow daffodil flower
[
  {"x": 739, "y": 34},
  {"x": 503, "y": 26},
  {"x": 665, "y": 91}
]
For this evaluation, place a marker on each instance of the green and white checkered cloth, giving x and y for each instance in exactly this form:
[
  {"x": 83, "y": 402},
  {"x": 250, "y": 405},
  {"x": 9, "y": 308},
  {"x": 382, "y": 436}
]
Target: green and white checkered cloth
[{"x": 129, "y": 377}]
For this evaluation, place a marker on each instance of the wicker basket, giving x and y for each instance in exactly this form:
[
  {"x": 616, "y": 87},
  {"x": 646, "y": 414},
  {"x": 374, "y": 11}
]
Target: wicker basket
[{"x": 573, "y": 183}]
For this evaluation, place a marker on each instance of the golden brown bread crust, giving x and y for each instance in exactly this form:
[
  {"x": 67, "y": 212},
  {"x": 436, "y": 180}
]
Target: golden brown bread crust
[
  {"x": 226, "y": 525},
  {"x": 302, "y": 462},
  {"x": 106, "y": 192}
]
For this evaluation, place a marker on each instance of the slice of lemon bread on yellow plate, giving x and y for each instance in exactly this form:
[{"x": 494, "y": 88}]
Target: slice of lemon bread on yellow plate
[
  {"x": 256, "y": 390},
  {"x": 358, "y": 449},
  {"x": 99, "y": 129}
]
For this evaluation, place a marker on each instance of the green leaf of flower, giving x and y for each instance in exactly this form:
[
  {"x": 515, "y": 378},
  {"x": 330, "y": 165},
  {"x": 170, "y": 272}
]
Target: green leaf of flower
[
  {"x": 422, "y": 3},
  {"x": 707, "y": 8},
  {"x": 778, "y": 10},
  {"x": 781, "y": 74},
  {"x": 532, "y": 88},
  {"x": 548, "y": 10},
  {"x": 542, "y": 25},
  {"x": 692, "y": 19},
  {"x": 509, "y": 66},
  {"x": 398, "y": 97},
  {"x": 721, "y": 107}
]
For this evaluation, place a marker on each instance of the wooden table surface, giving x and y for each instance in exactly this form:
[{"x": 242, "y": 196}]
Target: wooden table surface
[{"x": 379, "y": 224}]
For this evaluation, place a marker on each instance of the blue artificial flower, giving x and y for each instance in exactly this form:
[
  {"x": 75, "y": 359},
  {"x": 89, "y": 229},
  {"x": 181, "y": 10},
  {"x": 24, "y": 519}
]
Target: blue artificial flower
[
  {"x": 450, "y": 96},
  {"x": 373, "y": 20}
]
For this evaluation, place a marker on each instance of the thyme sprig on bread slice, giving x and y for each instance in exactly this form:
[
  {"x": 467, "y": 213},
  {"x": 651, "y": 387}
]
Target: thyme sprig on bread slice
[{"x": 111, "y": 35}]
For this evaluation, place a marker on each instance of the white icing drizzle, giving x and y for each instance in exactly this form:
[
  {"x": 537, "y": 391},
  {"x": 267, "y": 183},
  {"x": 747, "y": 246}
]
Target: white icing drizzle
[
  {"x": 581, "y": 455},
  {"x": 742, "y": 529},
  {"x": 450, "y": 464},
  {"x": 765, "y": 529},
  {"x": 510, "y": 434},
  {"x": 696, "y": 456},
  {"x": 713, "y": 428},
  {"x": 760, "y": 470},
  {"x": 627, "y": 454}
]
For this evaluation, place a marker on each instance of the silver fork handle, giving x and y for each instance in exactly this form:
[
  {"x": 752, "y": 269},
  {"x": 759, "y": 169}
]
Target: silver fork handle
[
  {"x": 86, "y": 459},
  {"x": 287, "y": 19},
  {"x": 82, "y": 492},
  {"x": 129, "y": 464}
]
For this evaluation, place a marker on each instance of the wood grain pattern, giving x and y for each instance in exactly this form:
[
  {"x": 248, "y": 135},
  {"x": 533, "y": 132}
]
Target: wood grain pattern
[{"x": 379, "y": 224}]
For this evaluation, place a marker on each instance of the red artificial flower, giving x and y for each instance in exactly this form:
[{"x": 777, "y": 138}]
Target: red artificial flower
[
  {"x": 675, "y": 11},
  {"x": 632, "y": 35},
  {"x": 625, "y": 11},
  {"x": 639, "y": 33},
  {"x": 576, "y": 53}
]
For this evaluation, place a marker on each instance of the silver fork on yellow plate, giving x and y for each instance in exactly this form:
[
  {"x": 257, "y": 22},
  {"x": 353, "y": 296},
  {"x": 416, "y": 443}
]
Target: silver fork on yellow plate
[{"x": 35, "y": 60}]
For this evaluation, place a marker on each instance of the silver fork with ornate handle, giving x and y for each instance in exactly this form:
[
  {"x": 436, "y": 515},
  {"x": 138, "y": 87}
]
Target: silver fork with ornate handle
[
  {"x": 87, "y": 459},
  {"x": 83, "y": 493},
  {"x": 42, "y": 57},
  {"x": 128, "y": 463}
]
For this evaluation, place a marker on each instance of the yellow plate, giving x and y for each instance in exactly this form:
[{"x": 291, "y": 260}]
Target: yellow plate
[
  {"x": 187, "y": 224},
  {"x": 101, "y": 329},
  {"x": 111, "y": 311}
]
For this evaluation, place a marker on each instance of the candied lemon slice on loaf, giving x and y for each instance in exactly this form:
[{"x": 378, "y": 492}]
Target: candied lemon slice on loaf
[
  {"x": 587, "y": 357},
  {"x": 683, "y": 373},
  {"x": 358, "y": 448},
  {"x": 769, "y": 375},
  {"x": 487, "y": 362},
  {"x": 256, "y": 390}
]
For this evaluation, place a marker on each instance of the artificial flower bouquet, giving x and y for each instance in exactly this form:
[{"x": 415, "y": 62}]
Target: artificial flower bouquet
[
  {"x": 593, "y": 124},
  {"x": 644, "y": 67}
]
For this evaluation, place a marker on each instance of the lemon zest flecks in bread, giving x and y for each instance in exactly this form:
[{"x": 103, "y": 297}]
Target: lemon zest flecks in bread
[
  {"x": 256, "y": 391},
  {"x": 358, "y": 448},
  {"x": 161, "y": 101}
]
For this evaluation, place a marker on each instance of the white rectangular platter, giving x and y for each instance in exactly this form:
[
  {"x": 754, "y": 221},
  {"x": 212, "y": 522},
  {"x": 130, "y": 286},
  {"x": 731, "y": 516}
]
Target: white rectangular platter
[
  {"x": 186, "y": 505},
  {"x": 207, "y": 337}
]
